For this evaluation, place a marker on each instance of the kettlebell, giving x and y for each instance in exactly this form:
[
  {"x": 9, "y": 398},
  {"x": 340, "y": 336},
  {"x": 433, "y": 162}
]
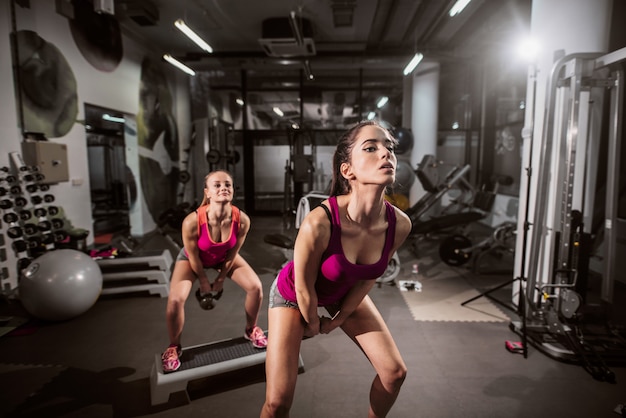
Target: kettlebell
[{"x": 207, "y": 301}]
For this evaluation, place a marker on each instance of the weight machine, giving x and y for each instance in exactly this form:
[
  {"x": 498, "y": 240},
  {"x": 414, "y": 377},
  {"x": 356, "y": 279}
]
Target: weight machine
[
  {"x": 556, "y": 238},
  {"x": 428, "y": 173},
  {"x": 222, "y": 153}
]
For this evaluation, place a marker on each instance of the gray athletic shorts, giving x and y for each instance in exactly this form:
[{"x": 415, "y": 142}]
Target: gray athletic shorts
[
  {"x": 183, "y": 257},
  {"x": 278, "y": 301}
]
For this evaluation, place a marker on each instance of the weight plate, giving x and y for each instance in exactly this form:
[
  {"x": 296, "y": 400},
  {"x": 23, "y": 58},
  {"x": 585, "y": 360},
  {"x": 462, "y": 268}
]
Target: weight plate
[
  {"x": 213, "y": 156},
  {"x": 184, "y": 176},
  {"x": 451, "y": 250}
]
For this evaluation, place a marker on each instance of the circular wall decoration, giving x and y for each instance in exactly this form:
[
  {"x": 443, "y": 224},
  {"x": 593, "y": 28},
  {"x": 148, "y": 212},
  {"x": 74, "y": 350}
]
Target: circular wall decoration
[
  {"x": 97, "y": 36},
  {"x": 47, "y": 85}
]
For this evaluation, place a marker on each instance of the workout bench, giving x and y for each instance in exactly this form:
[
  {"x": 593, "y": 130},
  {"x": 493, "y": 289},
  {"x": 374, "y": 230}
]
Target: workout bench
[{"x": 202, "y": 361}]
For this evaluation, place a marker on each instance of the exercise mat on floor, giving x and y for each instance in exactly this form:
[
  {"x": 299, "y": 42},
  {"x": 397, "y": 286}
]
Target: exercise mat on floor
[{"x": 441, "y": 297}]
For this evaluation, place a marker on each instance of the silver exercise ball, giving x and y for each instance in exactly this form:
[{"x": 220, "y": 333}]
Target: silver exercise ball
[
  {"x": 60, "y": 285},
  {"x": 405, "y": 177}
]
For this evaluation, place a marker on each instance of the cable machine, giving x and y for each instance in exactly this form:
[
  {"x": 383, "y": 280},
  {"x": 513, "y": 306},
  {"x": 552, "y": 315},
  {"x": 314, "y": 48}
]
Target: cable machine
[{"x": 557, "y": 236}]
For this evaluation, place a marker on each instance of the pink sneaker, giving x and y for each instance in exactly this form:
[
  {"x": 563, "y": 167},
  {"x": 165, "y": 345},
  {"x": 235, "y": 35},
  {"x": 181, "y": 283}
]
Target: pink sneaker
[
  {"x": 170, "y": 357},
  {"x": 257, "y": 336}
]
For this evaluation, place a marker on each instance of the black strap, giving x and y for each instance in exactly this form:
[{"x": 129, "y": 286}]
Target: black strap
[{"x": 330, "y": 217}]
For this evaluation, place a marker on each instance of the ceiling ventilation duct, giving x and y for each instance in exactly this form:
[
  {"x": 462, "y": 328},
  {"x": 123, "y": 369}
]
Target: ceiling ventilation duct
[
  {"x": 287, "y": 37},
  {"x": 143, "y": 12},
  {"x": 343, "y": 12}
]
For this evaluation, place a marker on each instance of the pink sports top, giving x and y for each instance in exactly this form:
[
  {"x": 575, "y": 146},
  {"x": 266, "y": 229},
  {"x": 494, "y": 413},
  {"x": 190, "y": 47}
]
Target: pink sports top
[
  {"x": 337, "y": 275},
  {"x": 213, "y": 253}
]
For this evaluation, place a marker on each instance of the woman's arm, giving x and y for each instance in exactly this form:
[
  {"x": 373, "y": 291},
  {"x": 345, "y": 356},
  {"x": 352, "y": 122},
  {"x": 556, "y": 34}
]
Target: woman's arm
[
  {"x": 311, "y": 243},
  {"x": 352, "y": 300},
  {"x": 190, "y": 241}
]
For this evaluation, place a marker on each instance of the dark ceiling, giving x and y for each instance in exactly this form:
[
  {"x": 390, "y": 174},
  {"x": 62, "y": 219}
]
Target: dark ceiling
[
  {"x": 341, "y": 34},
  {"x": 348, "y": 45}
]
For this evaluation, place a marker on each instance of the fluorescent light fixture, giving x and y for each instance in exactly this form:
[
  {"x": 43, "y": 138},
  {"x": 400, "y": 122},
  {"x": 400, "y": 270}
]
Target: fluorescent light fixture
[
  {"x": 180, "y": 24},
  {"x": 115, "y": 119},
  {"x": 417, "y": 58},
  {"x": 278, "y": 111},
  {"x": 295, "y": 28},
  {"x": 458, "y": 7},
  {"x": 239, "y": 101},
  {"x": 382, "y": 102},
  {"x": 178, "y": 64},
  {"x": 307, "y": 70},
  {"x": 371, "y": 115}
]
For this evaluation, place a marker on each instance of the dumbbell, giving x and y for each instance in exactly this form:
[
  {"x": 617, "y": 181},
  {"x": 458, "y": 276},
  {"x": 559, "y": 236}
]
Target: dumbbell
[
  {"x": 207, "y": 301},
  {"x": 20, "y": 201},
  {"x": 48, "y": 238},
  {"x": 15, "y": 232},
  {"x": 30, "y": 229},
  {"x": 25, "y": 215},
  {"x": 10, "y": 217},
  {"x": 44, "y": 226}
]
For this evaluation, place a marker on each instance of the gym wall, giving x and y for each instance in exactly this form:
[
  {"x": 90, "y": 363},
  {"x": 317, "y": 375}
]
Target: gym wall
[{"x": 113, "y": 86}]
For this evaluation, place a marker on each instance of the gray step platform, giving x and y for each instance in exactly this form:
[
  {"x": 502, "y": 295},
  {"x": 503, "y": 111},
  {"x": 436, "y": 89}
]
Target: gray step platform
[
  {"x": 202, "y": 361},
  {"x": 145, "y": 271},
  {"x": 148, "y": 260}
]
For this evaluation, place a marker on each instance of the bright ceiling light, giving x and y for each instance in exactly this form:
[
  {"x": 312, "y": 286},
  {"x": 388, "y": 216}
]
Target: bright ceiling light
[
  {"x": 178, "y": 64},
  {"x": 180, "y": 24},
  {"x": 115, "y": 119},
  {"x": 417, "y": 58},
  {"x": 278, "y": 111},
  {"x": 307, "y": 70},
  {"x": 528, "y": 49},
  {"x": 382, "y": 102},
  {"x": 239, "y": 101},
  {"x": 371, "y": 115},
  {"x": 458, "y": 7}
]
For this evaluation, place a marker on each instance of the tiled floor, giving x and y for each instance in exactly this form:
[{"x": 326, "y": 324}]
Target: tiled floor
[{"x": 98, "y": 364}]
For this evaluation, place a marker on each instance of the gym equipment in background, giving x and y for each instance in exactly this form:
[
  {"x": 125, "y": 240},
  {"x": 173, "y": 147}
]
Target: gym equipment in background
[
  {"x": 461, "y": 209},
  {"x": 202, "y": 361},
  {"x": 555, "y": 316},
  {"x": 147, "y": 271},
  {"x": 34, "y": 224},
  {"x": 457, "y": 250},
  {"x": 60, "y": 285},
  {"x": 404, "y": 137}
]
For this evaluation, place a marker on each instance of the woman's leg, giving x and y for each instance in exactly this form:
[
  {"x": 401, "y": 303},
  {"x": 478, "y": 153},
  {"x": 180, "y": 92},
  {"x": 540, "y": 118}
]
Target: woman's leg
[
  {"x": 368, "y": 330},
  {"x": 282, "y": 360},
  {"x": 242, "y": 274},
  {"x": 180, "y": 286}
]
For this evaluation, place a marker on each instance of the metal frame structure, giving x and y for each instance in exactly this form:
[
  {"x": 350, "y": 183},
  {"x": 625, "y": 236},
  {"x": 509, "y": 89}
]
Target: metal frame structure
[{"x": 565, "y": 187}]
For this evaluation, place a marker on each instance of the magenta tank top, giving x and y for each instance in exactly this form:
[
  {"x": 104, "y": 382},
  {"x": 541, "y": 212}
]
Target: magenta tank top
[
  {"x": 213, "y": 253},
  {"x": 337, "y": 275}
]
